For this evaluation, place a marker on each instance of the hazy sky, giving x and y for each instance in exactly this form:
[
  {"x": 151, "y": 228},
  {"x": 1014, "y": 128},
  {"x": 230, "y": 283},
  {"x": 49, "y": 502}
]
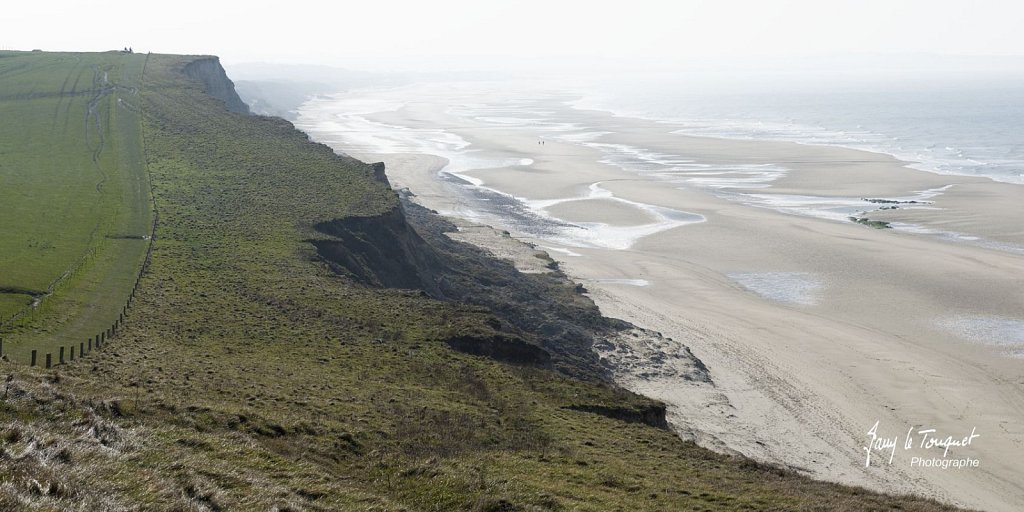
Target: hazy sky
[{"x": 424, "y": 34}]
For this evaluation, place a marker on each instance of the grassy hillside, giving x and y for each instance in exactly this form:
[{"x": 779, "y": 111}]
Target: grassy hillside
[
  {"x": 76, "y": 210},
  {"x": 257, "y": 370}
]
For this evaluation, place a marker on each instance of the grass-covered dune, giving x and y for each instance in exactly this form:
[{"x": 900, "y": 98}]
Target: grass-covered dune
[{"x": 297, "y": 343}]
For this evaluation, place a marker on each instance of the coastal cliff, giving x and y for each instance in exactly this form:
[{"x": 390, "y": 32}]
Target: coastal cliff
[
  {"x": 382, "y": 250},
  {"x": 540, "y": 320},
  {"x": 216, "y": 82}
]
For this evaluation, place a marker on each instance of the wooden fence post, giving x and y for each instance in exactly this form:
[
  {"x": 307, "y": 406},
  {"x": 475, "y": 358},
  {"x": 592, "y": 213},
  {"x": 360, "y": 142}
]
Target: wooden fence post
[
  {"x": 81, "y": 350},
  {"x": 61, "y": 358},
  {"x": 33, "y": 358},
  {"x": 72, "y": 352},
  {"x": 49, "y": 360}
]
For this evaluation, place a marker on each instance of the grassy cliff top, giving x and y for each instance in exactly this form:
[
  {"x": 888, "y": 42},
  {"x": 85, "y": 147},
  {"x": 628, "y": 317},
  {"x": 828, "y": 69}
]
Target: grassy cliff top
[{"x": 250, "y": 375}]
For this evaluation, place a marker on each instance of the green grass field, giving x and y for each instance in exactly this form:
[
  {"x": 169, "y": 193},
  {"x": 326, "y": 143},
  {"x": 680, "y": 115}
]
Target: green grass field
[
  {"x": 74, "y": 195},
  {"x": 250, "y": 376}
]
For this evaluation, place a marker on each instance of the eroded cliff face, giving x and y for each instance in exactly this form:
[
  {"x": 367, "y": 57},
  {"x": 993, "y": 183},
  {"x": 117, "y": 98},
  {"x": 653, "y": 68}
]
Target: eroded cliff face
[
  {"x": 216, "y": 82},
  {"x": 382, "y": 251},
  {"x": 407, "y": 248},
  {"x": 386, "y": 251}
]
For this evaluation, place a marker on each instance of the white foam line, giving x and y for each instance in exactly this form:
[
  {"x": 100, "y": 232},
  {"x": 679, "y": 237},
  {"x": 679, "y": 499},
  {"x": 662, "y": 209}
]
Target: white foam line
[
  {"x": 579, "y": 137},
  {"x": 684, "y": 171},
  {"x": 954, "y": 236},
  {"x": 606, "y": 236},
  {"x": 560, "y": 250},
  {"x": 835, "y": 208},
  {"x": 627, "y": 282},
  {"x": 831, "y": 208},
  {"x": 841, "y": 208}
]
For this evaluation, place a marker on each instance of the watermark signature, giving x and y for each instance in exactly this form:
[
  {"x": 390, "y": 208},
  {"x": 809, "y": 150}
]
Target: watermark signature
[{"x": 922, "y": 439}]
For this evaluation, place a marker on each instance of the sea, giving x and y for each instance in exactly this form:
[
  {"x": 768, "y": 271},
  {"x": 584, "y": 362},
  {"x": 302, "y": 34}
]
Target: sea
[
  {"x": 963, "y": 124},
  {"x": 945, "y": 123}
]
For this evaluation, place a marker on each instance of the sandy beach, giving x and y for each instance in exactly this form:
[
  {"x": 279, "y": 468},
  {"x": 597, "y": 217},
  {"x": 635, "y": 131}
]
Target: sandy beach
[{"x": 815, "y": 329}]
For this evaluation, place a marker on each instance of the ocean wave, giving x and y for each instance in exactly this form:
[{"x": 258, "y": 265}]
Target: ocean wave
[
  {"x": 1000, "y": 159},
  {"x": 606, "y": 236}
]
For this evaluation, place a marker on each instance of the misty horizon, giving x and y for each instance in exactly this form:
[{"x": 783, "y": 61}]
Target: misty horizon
[{"x": 566, "y": 37}]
